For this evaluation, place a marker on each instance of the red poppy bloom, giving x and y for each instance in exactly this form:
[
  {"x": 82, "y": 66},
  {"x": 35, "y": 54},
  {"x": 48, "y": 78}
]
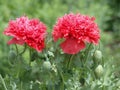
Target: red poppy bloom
[
  {"x": 32, "y": 32},
  {"x": 76, "y": 30}
]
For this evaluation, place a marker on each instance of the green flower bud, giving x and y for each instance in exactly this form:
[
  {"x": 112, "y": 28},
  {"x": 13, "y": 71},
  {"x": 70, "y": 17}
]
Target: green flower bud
[
  {"x": 99, "y": 71},
  {"x": 12, "y": 55},
  {"x": 47, "y": 65},
  {"x": 98, "y": 55}
]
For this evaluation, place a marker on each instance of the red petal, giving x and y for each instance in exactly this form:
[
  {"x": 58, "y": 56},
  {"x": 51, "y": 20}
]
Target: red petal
[
  {"x": 71, "y": 46},
  {"x": 15, "y": 41}
]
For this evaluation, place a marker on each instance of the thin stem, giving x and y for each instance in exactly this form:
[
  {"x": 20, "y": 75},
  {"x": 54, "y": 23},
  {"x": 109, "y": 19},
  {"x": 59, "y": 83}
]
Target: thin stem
[
  {"x": 30, "y": 52},
  {"x": 21, "y": 84},
  {"x": 23, "y": 50},
  {"x": 3, "y": 82},
  {"x": 62, "y": 77},
  {"x": 16, "y": 49},
  {"x": 19, "y": 69},
  {"x": 62, "y": 86},
  {"x": 52, "y": 79},
  {"x": 87, "y": 53},
  {"x": 95, "y": 63},
  {"x": 103, "y": 88},
  {"x": 69, "y": 62}
]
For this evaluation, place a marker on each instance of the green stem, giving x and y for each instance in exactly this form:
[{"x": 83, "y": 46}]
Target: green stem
[
  {"x": 16, "y": 49},
  {"x": 19, "y": 69},
  {"x": 69, "y": 62},
  {"x": 43, "y": 87},
  {"x": 23, "y": 50},
  {"x": 84, "y": 61},
  {"x": 87, "y": 53},
  {"x": 30, "y": 52},
  {"x": 3, "y": 82},
  {"x": 62, "y": 86},
  {"x": 52, "y": 79},
  {"x": 21, "y": 84},
  {"x": 62, "y": 77},
  {"x": 95, "y": 63},
  {"x": 103, "y": 88}
]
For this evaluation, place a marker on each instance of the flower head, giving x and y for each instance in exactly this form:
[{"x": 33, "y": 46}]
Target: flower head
[
  {"x": 32, "y": 32},
  {"x": 76, "y": 30}
]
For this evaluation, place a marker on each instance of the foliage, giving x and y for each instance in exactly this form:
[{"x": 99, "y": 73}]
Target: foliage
[{"x": 28, "y": 72}]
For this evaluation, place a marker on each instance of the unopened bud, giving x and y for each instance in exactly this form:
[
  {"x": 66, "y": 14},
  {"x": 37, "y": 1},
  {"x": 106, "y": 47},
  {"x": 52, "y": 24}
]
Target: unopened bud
[
  {"x": 98, "y": 55},
  {"x": 99, "y": 70},
  {"x": 46, "y": 65}
]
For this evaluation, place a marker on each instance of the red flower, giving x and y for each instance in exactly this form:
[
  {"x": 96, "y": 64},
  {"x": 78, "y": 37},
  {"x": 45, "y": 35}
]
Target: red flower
[
  {"x": 32, "y": 32},
  {"x": 76, "y": 30}
]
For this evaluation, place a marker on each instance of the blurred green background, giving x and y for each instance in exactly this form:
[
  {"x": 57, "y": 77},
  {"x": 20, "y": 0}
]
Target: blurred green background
[{"x": 106, "y": 12}]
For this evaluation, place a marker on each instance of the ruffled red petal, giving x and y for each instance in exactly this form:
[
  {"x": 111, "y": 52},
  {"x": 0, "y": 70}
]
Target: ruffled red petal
[
  {"x": 15, "y": 41},
  {"x": 80, "y": 27},
  {"x": 71, "y": 46},
  {"x": 29, "y": 31}
]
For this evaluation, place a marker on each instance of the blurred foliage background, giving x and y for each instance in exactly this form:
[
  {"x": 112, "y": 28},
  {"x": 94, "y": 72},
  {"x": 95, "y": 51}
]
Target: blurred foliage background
[{"x": 106, "y": 12}]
